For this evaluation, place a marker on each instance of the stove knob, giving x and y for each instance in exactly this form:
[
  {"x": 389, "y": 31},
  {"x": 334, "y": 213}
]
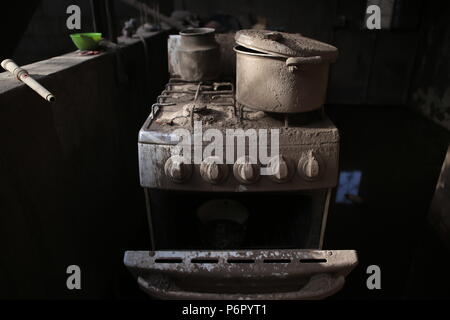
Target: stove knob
[
  {"x": 310, "y": 166},
  {"x": 246, "y": 171},
  {"x": 213, "y": 171},
  {"x": 177, "y": 169},
  {"x": 280, "y": 169}
]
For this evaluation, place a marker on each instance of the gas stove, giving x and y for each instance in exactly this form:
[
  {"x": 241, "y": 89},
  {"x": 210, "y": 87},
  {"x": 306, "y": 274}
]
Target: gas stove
[
  {"x": 308, "y": 143},
  {"x": 237, "y": 198}
]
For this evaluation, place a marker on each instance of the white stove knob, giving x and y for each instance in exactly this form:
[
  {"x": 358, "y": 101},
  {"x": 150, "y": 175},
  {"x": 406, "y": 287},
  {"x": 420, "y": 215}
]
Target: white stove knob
[
  {"x": 213, "y": 170},
  {"x": 178, "y": 169},
  {"x": 280, "y": 169},
  {"x": 310, "y": 166},
  {"x": 245, "y": 170}
]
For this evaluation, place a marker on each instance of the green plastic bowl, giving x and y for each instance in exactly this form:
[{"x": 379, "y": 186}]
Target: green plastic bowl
[{"x": 86, "y": 41}]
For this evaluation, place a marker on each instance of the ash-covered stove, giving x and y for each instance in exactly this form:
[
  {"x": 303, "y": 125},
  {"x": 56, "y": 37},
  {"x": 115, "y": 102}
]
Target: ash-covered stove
[{"x": 237, "y": 199}]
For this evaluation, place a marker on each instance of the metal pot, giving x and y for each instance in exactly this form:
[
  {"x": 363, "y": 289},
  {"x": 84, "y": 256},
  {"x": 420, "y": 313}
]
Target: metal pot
[
  {"x": 281, "y": 72},
  {"x": 198, "y": 55}
]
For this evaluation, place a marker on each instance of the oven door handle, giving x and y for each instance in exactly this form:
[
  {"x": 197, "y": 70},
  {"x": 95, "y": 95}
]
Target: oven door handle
[
  {"x": 318, "y": 287},
  {"x": 287, "y": 274}
]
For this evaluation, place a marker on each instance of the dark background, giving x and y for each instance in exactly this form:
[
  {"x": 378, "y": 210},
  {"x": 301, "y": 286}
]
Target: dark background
[
  {"x": 388, "y": 94},
  {"x": 384, "y": 67}
]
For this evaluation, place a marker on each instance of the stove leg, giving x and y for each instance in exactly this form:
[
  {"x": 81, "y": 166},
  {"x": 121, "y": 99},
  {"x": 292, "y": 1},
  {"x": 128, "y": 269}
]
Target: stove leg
[
  {"x": 149, "y": 218},
  {"x": 324, "y": 217}
]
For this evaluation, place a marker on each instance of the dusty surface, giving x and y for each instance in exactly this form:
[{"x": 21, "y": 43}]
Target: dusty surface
[
  {"x": 275, "y": 274},
  {"x": 285, "y": 44},
  {"x": 266, "y": 83},
  {"x": 227, "y": 55},
  {"x": 43, "y": 68},
  {"x": 303, "y": 128}
]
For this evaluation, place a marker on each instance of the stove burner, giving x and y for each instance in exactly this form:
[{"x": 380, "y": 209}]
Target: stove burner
[
  {"x": 214, "y": 103},
  {"x": 198, "y": 100}
]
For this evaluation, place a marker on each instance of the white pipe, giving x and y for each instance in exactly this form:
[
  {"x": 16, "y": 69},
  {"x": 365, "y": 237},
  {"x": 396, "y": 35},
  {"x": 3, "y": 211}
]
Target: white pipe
[{"x": 22, "y": 75}]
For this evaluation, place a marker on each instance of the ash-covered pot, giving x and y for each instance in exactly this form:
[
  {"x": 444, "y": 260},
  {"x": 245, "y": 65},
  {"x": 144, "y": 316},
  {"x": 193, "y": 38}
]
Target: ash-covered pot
[
  {"x": 198, "y": 54},
  {"x": 281, "y": 72}
]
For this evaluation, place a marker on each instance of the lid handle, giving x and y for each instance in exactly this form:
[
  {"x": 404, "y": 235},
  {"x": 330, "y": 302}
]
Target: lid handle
[{"x": 275, "y": 36}]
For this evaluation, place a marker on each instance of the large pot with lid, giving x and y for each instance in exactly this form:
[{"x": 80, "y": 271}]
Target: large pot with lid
[
  {"x": 198, "y": 54},
  {"x": 281, "y": 72}
]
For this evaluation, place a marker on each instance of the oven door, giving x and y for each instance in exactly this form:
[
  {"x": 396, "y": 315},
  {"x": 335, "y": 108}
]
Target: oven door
[
  {"x": 237, "y": 220},
  {"x": 241, "y": 274},
  {"x": 268, "y": 248}
]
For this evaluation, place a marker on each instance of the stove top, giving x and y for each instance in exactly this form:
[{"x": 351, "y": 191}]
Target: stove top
[
  {"x": 182, "y": 104},
  {"x": 297, "y": 152}
]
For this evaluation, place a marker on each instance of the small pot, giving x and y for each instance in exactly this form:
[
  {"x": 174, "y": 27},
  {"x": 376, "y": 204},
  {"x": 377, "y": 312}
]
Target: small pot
[
  {"x": 281, "y": 72},
  {"x": 198, "y": 55}
]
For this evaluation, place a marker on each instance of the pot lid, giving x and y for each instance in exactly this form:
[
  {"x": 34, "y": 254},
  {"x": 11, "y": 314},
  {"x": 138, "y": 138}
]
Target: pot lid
[{"x": 285, "y": 44}]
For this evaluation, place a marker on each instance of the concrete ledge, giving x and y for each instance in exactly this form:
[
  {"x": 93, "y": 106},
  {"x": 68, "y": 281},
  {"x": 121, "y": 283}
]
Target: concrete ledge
[
  {"x": 56, "y": 64},
  {"x": 69, "y": 173},
  {"x": 44, "y": 68}
]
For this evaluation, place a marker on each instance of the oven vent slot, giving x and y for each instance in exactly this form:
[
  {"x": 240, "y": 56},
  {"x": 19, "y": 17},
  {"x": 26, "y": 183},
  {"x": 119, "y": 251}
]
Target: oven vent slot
[
  {"x": 313, "y": 260},
  {"x": 235, "y": 260},
  {"x": 241, "y": 274}
]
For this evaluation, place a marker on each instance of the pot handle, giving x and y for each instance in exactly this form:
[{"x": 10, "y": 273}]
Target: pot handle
[{"x": 294, "y": 62}]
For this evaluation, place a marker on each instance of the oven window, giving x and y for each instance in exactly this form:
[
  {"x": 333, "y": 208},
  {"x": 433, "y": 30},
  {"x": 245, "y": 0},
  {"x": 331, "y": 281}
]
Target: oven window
[{"x": 233, "y": 221}]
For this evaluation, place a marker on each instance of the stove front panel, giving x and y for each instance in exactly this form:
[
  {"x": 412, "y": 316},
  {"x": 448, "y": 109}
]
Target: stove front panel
[{"x": 309, "y": 167}]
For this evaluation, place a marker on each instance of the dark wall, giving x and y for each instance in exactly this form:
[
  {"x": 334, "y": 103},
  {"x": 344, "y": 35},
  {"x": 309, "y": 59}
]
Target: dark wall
[
  {"x": 312, "y": 18},
  {"x": 11, "y": 38},
  {"x": 69, "y": 192},
  {"x": 47, "y": 35},
  {"x": 374, "y": 67},
  {"x": 430, "y": 89}
]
